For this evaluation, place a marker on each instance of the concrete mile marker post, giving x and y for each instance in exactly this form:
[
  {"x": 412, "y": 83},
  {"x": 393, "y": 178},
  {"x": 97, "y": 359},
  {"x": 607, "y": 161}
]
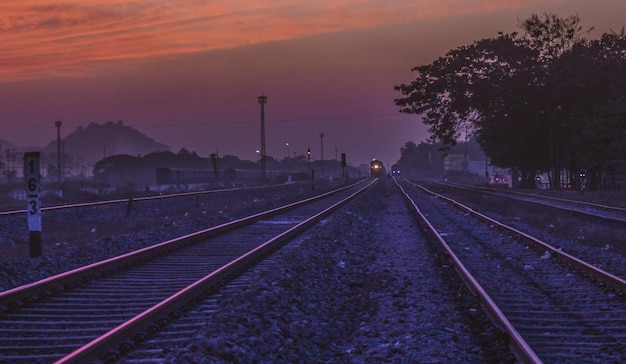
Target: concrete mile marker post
[{"x": 32, "y": 178}]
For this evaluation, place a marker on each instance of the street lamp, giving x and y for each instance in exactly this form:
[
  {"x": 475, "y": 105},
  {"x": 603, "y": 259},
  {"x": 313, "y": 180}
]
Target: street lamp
[
  {"x": 322, "y": 154},
  {"x": 58, "y": 124},
  {"x": 262, "y": 100}
]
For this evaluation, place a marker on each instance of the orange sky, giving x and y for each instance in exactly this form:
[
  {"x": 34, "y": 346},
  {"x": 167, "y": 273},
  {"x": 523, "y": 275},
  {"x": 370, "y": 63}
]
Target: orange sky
[
  {"x": 168, "y": 67},
  {"x": 43, "y": 38}
]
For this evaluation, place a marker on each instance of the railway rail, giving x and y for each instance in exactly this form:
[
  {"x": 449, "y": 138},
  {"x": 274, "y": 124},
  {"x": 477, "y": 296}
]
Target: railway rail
[
  {"x": 179, "y": 330},
  {"x": 596, "y": 238},
  {"x": 103, "y": 222},
  {"x": 553, "y": 307},
  {"x": 102, "y": 310},
  {"x": 136, "y": 199},
  {"x": 595, "y": 210}
]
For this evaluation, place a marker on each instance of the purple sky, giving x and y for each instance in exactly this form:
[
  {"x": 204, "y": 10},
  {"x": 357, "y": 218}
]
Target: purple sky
[{"x": 188, "y": 74}]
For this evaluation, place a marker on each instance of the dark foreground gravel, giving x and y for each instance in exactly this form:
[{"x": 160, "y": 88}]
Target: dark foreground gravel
[{"x": 366, "y": 287}]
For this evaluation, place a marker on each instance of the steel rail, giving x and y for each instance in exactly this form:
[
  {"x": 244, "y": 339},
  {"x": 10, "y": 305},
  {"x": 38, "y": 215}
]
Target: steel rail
[
  {"x": 135, "y": 199},
  {"x": 573, "y": 202},
  {"x": 98, "y": 348},
  {"x": 25, "y": 293},
  {"x": 517, "y": 343},
  {"x": 604, "y": 276},
  {"x": 576, "y": 204}
]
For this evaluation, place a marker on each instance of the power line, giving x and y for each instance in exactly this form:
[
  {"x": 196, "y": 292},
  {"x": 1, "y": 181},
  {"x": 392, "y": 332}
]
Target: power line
[{"x": 207, "y": 123}]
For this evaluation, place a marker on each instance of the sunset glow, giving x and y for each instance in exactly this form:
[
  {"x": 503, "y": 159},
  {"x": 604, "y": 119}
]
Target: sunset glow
[
  {"x": 44, "y": 38},
  {"x": 187, "y": 72}
]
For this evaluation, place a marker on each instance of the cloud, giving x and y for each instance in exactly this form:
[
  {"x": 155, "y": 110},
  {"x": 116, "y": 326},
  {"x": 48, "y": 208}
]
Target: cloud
[{"x": 47, "y": 38}]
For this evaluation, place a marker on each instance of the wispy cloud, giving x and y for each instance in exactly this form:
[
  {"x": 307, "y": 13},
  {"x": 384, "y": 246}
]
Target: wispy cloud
[{"x": 43, "y": 38}]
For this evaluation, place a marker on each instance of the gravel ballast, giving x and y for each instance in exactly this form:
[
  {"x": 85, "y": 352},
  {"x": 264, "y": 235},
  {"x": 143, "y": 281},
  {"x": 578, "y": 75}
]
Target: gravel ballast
[
  {"x": 365, "y": 288},
  {"x": 73, "y": 238}
]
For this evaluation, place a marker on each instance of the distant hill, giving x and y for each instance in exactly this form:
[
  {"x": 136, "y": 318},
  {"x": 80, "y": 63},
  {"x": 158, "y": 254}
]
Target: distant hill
[{"x": 96, "y": 141}]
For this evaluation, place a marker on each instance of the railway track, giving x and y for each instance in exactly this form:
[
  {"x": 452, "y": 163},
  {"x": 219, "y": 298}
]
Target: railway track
[
  {"x": 104, "y": 309},
  {"x": 554, "y": 307},
  {"x": 99, "y": 222},
  {"x": 137, "y": 199},
  {"x": 594, "y": 210},
  {"x": 599, "y": 240},
  {"x": 178, "y": 331}
]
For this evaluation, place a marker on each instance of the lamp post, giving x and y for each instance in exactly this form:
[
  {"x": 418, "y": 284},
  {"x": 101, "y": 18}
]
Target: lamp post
[
  {"x": 58, "y": 124},
  {"x": 322, "y": 154},
  {"x": 262, "y": 100}
]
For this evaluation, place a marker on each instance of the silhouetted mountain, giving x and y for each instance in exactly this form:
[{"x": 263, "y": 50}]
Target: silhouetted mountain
[{"x": 98, "y": 141}]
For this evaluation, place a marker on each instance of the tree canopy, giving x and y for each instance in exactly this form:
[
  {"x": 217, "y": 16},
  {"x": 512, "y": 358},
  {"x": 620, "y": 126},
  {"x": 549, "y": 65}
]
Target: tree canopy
[{"x": 548, "y": 99}]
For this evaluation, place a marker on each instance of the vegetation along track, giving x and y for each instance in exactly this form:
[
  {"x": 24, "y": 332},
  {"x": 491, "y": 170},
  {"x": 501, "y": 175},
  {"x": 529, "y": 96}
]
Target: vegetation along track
[
  {"x": 101, "y": 309},
  {"x": 554, "y": 307}
]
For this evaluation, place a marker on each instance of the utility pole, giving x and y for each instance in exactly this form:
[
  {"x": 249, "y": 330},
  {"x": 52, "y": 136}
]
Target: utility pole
[
  {"x": 58, "y": 124},
  {"x": 263, "y": 100},
  {"x": 322, "y": 154},
  {"x": 10, "y": 166}
]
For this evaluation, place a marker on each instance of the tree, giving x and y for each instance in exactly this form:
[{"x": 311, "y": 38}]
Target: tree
[
  {"x": 409, "y": 161},
  {"x": 425, "y": 159},
  {"x": 552, "y": 39},
  {"x": 591, "y": 85},
  {"x": 532, "y": 100},
  {"x": 479, "y": 89}
]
